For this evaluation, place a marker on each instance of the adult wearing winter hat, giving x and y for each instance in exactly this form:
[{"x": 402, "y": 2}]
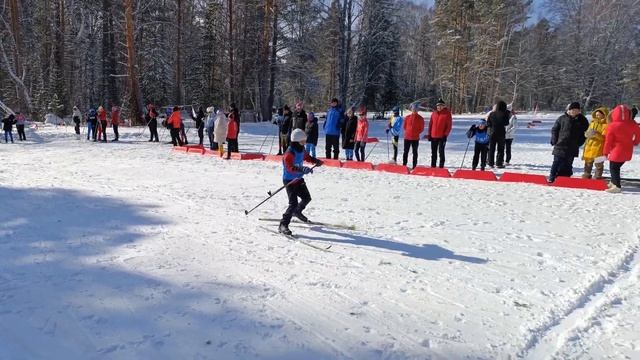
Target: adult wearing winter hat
[
  {"x": 497, "y": 122},
  {"x": 439, "y": 129},
  {"x": 331, "y": 127},
  {"x": 413, "y": 126},
  {"x": 293, "y": 171},
  {"x": 621, "y": 136},
  {"x": 567, "y": 135}
]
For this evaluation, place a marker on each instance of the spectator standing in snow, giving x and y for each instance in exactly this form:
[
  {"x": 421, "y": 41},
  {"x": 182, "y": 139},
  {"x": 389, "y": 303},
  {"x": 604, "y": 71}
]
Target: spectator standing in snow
[
  {"x": 510, "y": 133},
  {"x": 299, "y": 117},
  {"x": 293, "y": 178},
  {"x": 7, "y": 126},
  {"x": 621, "y": 136},
  {"x": 115, "y": 122},
  {"x": 497, "y": 122},
  {"x": 209, "y": 125},
  {"x": 594, "y": 145},
  {"x": 20, "y": 122},
  {"x": 567, "y": 135},
  {"x": 311, "y": 130},
  {"x": 92, "y": 124},
  {"x": 175, "y": 123},
  {"x": 152, "y": 122},
  {"x": 440, "y": 126},
  {"x": 349, "y": 133},
  {"x": 479, "y": 130},
  {"x": 331, "y": 128},
  {"x": 413, "y": 126},
  {"x": 362, "y": 133},
  {"x": 220, "y": 130},
  {"x": 232, "y": 133},
  {"x": 395, "y": 127},
  {"x": 634, "y": 112},
  {"x": 77, "y": 117},
  {"x": 285, "y": 129},
  {"x": 277, "y": 120},
  {"x": 102, "y": 128},
  {"x": 235, "y": 115},
  {"x": 199, "y": 119}
]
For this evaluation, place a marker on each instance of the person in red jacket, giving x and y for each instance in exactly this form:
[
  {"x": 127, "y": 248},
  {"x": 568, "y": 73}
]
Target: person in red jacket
[
  {"x": 439, "y": 128},
  {"x": 362, "y": 133},
  {"x": 102, "y": 127},
  {"x": 622, "y": 135},
  {"x": 233, "y": 131},
  {"x": 413, "y": 125},
  {"x": 115, "y": 121},
  {"x": 175, "y": 121}
]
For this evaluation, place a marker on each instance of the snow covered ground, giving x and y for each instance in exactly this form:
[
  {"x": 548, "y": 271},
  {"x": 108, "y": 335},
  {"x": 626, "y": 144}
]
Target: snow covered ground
[{"x": 131, "y": 251}]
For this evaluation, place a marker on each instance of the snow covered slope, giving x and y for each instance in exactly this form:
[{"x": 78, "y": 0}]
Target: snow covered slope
[{"x": 129, "y": 251}]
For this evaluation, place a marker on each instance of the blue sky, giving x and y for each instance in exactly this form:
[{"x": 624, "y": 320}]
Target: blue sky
[{"x": 537, "y": 7}]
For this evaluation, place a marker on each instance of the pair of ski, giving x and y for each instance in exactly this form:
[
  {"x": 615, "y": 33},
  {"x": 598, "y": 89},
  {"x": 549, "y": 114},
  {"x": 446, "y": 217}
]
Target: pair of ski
[{"x": 310, "y": 223}]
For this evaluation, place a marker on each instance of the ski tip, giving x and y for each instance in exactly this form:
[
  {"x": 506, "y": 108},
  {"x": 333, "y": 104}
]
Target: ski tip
[{"x": 246, "y": 212}]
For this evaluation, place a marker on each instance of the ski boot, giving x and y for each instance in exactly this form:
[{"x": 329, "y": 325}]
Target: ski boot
[{"x": 284, "y": 229}]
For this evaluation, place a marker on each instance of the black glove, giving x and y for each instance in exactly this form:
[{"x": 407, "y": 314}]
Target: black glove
[
  {"x": 307, "y": 170},
  {"x": 318, "y": 162}
]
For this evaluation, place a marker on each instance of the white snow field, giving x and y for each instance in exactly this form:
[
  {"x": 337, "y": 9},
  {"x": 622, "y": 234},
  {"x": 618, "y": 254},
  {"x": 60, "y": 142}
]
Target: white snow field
[{"x": 132, "y": 251}]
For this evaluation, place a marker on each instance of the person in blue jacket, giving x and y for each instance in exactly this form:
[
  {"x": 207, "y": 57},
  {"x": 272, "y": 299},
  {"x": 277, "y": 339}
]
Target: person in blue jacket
[
  {"x": 395, "y": 128},
  {"x": 332, "y": 129},
  {"x": 479, "y": 130},
  {"x": 92, "y": 121},
  {"x": 293, "y": 172}
]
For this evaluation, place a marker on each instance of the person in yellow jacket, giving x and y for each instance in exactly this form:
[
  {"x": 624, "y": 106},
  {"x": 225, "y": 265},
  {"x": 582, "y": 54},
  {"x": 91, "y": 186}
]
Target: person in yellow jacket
[{"x": 594, "y": 146}]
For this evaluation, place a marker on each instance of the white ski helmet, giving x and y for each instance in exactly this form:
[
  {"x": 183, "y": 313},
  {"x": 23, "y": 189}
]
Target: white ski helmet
[{"x": 298, "y": 135}]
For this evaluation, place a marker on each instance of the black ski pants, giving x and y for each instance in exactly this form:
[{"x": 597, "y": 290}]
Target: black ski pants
[
  {"x": 437, "y": 148},
  {"x": 295, "y": 189},
  {"x": 332, "y": 142},
  {"x": 410, "y": 144}
]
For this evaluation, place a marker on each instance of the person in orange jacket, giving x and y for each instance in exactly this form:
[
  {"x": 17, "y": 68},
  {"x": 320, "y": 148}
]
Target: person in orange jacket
[
  {"x": 621, "y": 136},
  {"x": 232, "y": 131},
  {"x": 362, "y": 133},
  {"x": 413, "y": 126},
  {"x": 440, "y": 126},
  {"x": 175, "y": 121}
]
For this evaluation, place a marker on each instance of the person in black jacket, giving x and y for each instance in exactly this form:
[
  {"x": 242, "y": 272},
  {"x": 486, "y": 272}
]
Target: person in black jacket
[
  {"x": 199, "y": 118},
  {"x": 311, "y": 130},
  {"x": 152, "y": 122},
  {"x": 567, "y": 135},
  {"x": 7, "y": 126},
  {"x": 299, "y": 117},
  {"x": 285, "y": 128},
  {"x": 349, "y": 133},
  {"x": 277, "y": 120},
  {"x": 496, "y": 123}
]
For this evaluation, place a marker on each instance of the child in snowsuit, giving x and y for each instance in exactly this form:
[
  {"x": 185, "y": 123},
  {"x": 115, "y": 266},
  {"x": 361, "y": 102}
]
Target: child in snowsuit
[
  {"x": 293, "y": 171},
  {"x": 7, "y": 126},
  {"x": 20, "y": 122},
  {"x": 92, "y": 121},
  {"x": 209, "y": 124},
  {"x": 481, "y": 148},
  {"x": 220, "y": 130},
  {"x": 362, "y": 133},
  {"x": 349, "y": 134},
  {"x": 395, "y": 127},
  {"x": 311, "y": 129},
  {"x": 594, "y": 146}
]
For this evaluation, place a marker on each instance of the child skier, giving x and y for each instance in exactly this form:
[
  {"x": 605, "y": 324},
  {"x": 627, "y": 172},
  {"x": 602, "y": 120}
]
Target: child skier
[
  {"x": 293, "y": 171},
  {"x": 362, "y": 133},
  {"x": 311, "y": 129},
  {"x": 594, "y": 146},
  {"x": 481, "y": 148},
  {"x": 395, "y": 127}
]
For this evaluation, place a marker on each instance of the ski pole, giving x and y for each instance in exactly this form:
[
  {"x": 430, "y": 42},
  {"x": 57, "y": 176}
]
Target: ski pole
[
  {"x": 388, "y": 156},
  {"x": 272, "y": 141},
  {"x": 263, "y": 141},
  {"x": 272, "y": 194},
  {"x": 370, "y": 151},
  {"x": 465, "y": 153}
]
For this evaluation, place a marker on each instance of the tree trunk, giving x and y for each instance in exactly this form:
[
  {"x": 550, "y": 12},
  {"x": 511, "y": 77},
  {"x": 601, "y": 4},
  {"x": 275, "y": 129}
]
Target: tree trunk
[
  {"x": 134, "y": 87},
  {"x": 178, "y": 84},
  {"x": 230, "y": 50}
]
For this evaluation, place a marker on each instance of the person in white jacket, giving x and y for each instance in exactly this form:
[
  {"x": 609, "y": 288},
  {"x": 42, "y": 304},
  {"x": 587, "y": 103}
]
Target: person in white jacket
[
  {"x": 510, "y": 133},
  {"x": 77, "y": 117},
  {"x": 220, "y": 130}
]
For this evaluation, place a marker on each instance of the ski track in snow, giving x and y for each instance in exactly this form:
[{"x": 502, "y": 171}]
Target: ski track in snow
[{"x": 131, "y": 250}]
